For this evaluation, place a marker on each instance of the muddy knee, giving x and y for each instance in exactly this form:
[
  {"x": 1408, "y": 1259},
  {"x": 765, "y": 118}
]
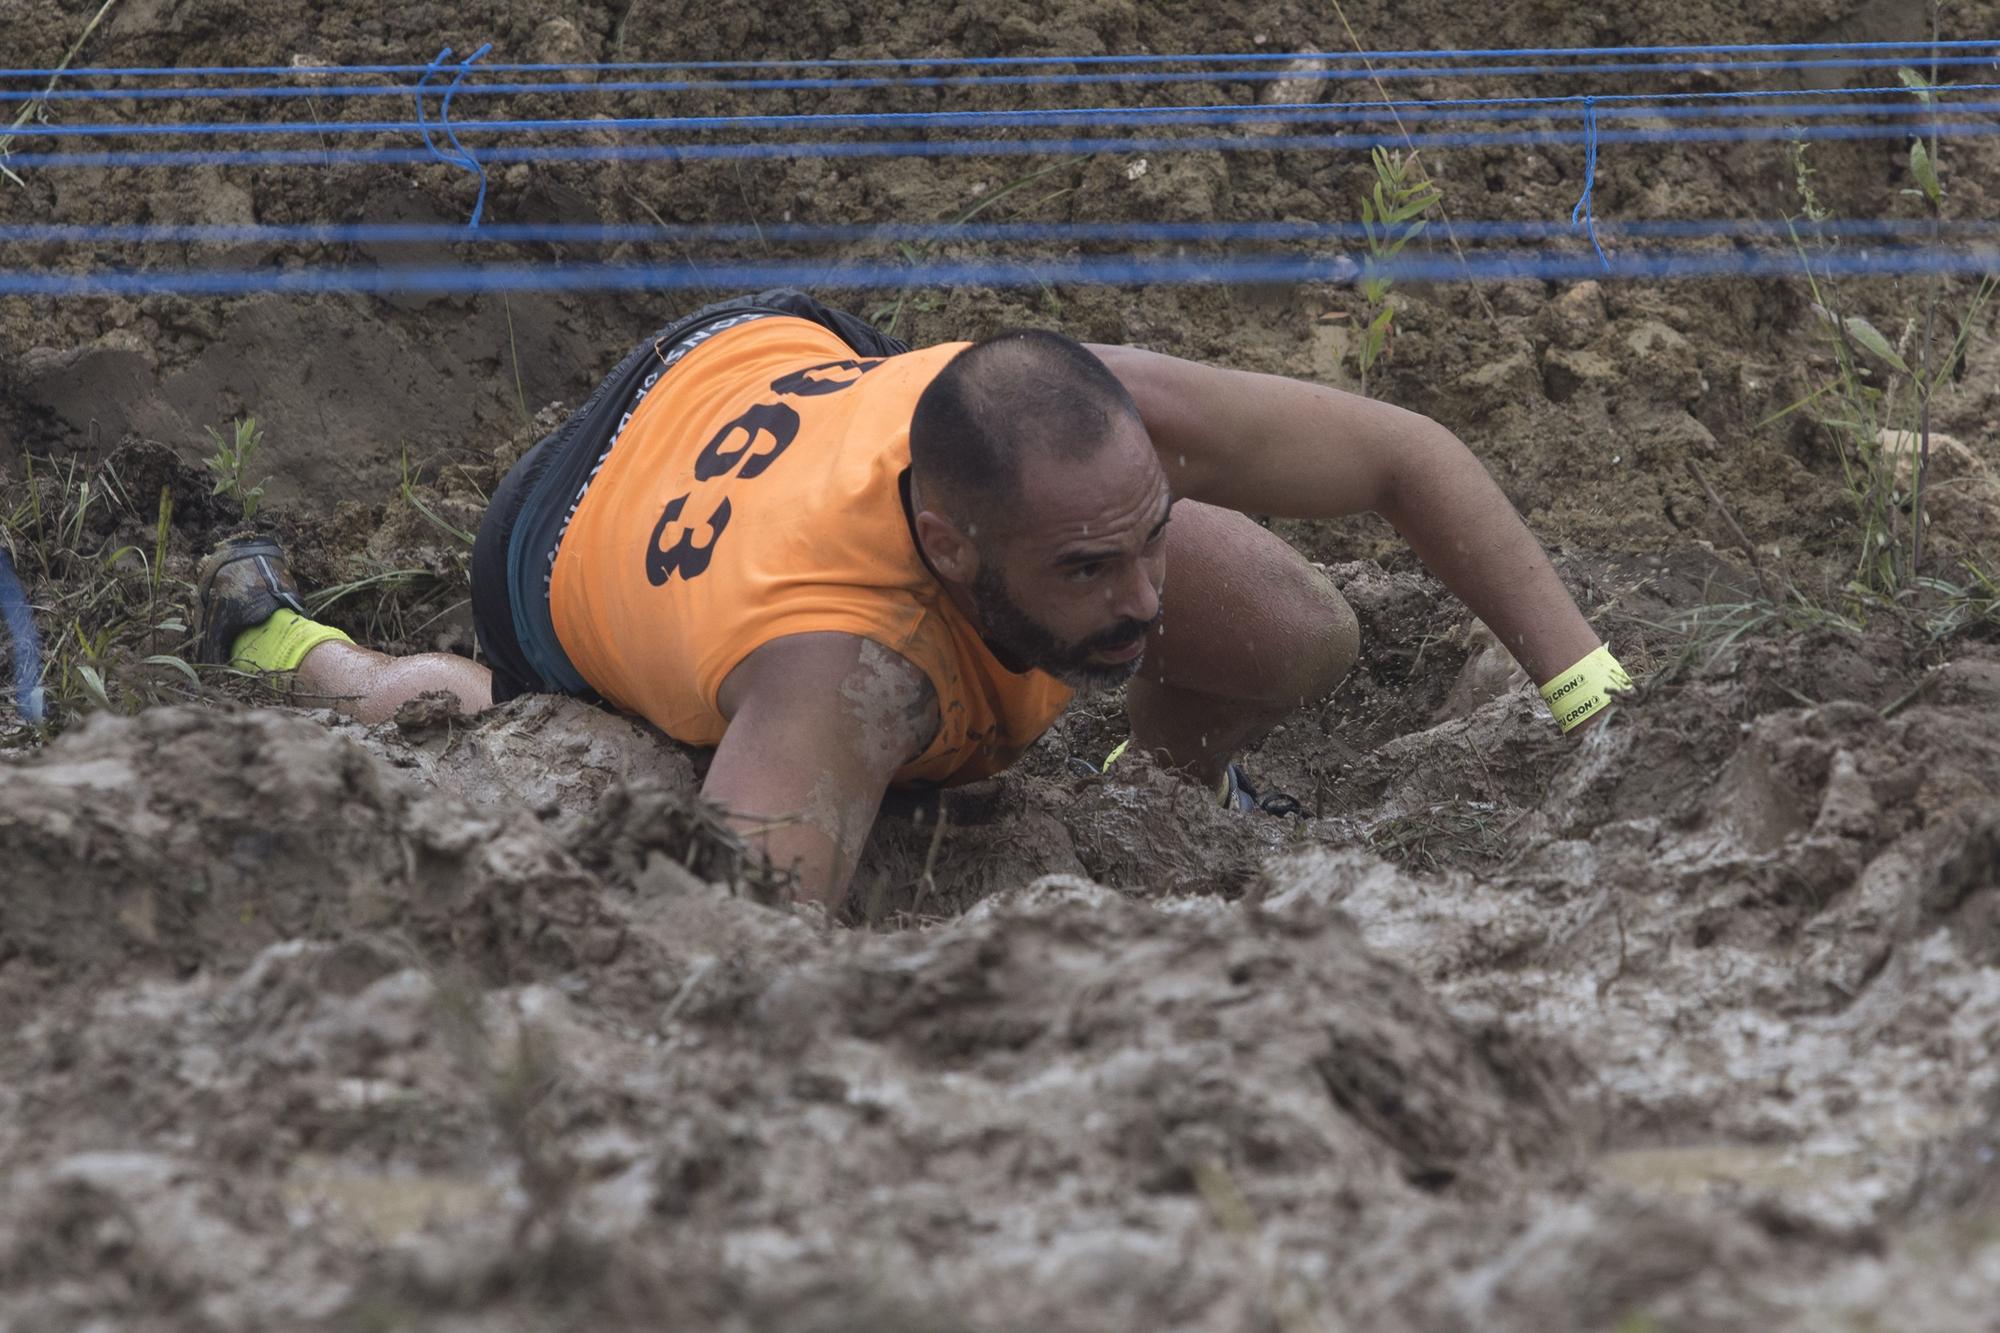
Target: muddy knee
[
  {"x": 1247, "y": 616},
  {"x": 1329, "y": 639},
  {"x": 1310, "y": 639}
]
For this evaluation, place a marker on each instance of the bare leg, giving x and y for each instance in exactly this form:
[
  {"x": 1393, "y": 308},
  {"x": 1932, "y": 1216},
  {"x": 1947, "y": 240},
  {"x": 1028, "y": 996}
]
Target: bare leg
[
  {"x": 1251, "y": 632},
  {"x": 370, "y": 686},
  {"x": 1194, "y": 732}
]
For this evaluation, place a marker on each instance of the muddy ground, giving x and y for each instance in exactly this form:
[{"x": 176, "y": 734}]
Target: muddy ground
[{"x": 479, "y": 1024}]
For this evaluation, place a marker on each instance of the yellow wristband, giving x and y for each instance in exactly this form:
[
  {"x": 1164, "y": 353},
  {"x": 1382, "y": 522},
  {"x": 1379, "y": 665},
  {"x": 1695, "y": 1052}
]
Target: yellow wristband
[{"x": 1584, "y": 691}]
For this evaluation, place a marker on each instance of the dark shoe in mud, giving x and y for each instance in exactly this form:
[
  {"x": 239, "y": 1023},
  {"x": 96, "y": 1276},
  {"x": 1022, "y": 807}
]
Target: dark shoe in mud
[
  {"x": 242, "y": 584},
  {"x": 1237, "y": 794}
]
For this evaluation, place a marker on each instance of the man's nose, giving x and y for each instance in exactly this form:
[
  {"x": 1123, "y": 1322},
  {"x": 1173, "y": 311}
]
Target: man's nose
[{"x": 1137, "y": 597}]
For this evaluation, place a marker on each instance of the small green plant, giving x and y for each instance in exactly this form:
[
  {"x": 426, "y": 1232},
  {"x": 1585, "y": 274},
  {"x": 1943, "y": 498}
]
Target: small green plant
[
  {"x": 413, "y": 497},
  {"x": 231, "y": 464},
  {"x": 1963, "y": 607},
  {"x": 114, "y": 633},
  {"x": 1704, "y": 634},
  {"x": 514, "y": 357},
  {"x": 1391, "y": 217},
  {"x": 1936, "y": 610},
  {"x": 1875, "y": 404},
  {"x": 383, "y": 607}
]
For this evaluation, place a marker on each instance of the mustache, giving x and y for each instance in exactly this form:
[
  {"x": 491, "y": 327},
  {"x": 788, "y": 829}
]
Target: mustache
[{"x": 1123, "y": 634}]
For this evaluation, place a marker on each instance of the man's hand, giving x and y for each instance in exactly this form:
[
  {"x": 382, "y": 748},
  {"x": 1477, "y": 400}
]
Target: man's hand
[
  {"x": 1268, "y": 445},
  {"x": 818, "y": 724}
]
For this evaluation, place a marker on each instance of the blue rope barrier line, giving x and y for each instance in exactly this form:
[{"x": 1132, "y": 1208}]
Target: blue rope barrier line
[
  {"x": 1632, "y": 106},
  {"x": 926, "y": 62},
  {"x": 464, "y": 158},
  {"x": 985, "y": 148},
  {"x": 1770, "y": 103},
  {"x": 971, "y": 232},
  {"x": 335, "y": 91},
  {"x": 1584, "y": 207},
  {"x": 1531, "y": 265}
]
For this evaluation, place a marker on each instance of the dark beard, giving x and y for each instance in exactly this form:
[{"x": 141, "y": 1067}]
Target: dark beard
[{"x": 1014, "y": 633}]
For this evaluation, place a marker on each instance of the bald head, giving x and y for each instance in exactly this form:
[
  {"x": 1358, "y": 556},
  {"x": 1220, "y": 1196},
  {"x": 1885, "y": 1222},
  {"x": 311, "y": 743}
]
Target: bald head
[{"x": 1001, "y": 404}]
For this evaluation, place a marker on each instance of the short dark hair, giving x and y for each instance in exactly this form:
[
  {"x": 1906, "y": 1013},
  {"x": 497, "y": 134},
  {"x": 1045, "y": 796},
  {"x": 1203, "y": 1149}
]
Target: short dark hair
[{"x": 1000, "y": 399}]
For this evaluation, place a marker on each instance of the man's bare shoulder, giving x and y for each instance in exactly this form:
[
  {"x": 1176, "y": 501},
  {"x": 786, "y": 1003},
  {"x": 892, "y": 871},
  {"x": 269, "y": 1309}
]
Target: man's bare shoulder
[{"x": 844, "y": 675}]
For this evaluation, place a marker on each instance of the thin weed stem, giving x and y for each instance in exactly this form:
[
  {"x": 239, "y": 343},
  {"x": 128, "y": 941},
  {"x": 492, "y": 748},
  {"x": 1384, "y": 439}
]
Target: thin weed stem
[{"x": 35, "y": 107}]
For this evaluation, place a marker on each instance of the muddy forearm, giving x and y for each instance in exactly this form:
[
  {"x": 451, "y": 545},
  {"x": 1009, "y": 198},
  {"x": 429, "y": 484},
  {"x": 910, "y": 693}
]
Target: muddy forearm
[
  {"x": 1465, "y": 530},
  {"x": 1266, "y": 444},
  {"x": 817, "y": 725},
  {"x": 818, "y": 864}
]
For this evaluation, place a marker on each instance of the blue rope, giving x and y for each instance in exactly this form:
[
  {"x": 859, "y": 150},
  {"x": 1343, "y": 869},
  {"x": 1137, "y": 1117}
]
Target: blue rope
[
  {"x": 1492, "y": 266},
  {"x": 334, "y": 91},
  {"x": 20, "y": 618},
  {"x": 790, "y": 233},
  {"x": 444, "y": 118},
  {"x": 1635, "y": 106},
  {"x": 464, "y": 159},
  {"x": 1584, "y": 207},
  {"x": 993, "y": 62},
  {"x": 423, "y": 129},
  {"x": 1505, "y": 53},
  {"x": 994, "y": 148}
]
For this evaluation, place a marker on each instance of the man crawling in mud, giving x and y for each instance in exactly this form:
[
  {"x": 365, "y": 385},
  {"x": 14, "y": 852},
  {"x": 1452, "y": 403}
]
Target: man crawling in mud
[{"x": 847, "y": 565}]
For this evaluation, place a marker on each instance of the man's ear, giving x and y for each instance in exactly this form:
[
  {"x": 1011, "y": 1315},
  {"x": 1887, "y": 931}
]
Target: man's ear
[{"x": 951, "y": 552}]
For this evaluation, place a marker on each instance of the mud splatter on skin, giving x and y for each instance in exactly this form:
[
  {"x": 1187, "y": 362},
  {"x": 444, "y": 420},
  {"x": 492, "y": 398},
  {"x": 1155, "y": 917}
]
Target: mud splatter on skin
[{"x": 898, "y": 714}]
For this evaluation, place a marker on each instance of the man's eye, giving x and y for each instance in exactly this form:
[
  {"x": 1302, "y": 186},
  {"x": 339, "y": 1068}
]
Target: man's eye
[{"x": 1085, "y": 573}]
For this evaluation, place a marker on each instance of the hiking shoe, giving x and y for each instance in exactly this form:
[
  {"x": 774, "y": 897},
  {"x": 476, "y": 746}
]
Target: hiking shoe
[
  {"x": 242, "y": 584},
  {"x": 1237, "y": 794}
]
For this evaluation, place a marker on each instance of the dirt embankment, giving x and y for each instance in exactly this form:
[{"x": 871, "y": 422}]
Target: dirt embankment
[{"x": 1585, "y": 403}]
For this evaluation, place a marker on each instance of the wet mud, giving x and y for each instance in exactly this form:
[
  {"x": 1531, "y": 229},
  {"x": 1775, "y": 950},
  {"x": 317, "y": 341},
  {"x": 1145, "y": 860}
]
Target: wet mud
[{"x": 1705, "y": 1039}]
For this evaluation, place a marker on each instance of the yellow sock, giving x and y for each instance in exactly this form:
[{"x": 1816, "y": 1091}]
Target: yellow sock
[{"x": 282, "y": 642}]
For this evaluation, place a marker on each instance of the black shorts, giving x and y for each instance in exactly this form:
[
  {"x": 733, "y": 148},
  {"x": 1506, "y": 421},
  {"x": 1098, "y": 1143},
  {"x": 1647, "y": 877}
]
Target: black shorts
[{"x": 531, "y": 508}]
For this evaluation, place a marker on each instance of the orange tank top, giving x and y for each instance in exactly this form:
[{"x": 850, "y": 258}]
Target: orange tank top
[{"x": 757, "y": 492}]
